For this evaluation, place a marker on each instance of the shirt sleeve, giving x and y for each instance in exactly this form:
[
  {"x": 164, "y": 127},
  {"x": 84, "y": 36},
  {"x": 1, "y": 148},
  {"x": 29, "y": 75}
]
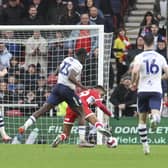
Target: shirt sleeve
[{"x": 103, "y": 107}]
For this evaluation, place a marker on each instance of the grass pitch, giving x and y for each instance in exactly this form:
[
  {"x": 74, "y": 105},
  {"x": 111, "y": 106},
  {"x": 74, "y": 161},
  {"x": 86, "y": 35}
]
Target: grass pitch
[{"x": 70, "y": 156}]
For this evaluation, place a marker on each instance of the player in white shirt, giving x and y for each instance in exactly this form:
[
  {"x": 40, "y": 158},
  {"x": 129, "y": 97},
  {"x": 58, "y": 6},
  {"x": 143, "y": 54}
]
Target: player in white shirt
[
  {"x": 68, "y": 78},
  {"x": 146, "y": 76}
]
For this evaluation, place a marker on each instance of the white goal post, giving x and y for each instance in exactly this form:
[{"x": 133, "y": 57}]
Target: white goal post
[{"x": 56, "y": 42}]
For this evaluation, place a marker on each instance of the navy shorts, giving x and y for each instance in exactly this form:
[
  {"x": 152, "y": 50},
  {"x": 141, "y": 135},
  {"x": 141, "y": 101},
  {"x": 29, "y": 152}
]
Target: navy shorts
[
  {"x": 148, "y": 101},
  {"x": 62, "y": 93}
]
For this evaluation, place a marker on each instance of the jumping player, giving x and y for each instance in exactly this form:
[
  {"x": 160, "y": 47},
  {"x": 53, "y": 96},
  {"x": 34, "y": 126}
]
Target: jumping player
[
  {"x": 68, "y": 78},
  {"x": 146, "y": 76},
  {"x": 88, "y": 97}
]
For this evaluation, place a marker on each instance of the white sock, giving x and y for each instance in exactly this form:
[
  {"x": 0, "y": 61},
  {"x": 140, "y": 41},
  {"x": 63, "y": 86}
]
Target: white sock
[
  {"x": 82, "y": 131},
  {"x": 2, "y": 128},
  {"x": 142, "y": 130},
  {"x": 156, "y": 118},
  {"x": 29, "y": 122},
  {"x": 2, "y": 131},
  {"x": 98, "y": 125}
]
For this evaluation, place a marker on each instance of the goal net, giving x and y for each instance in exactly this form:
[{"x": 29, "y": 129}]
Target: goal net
[{"x": 36, "y": 52}]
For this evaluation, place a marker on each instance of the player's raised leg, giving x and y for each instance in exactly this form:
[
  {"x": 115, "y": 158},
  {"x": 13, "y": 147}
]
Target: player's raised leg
[
  {"x": 99, "y": 126},
  {"x": 32, "y": 119}
]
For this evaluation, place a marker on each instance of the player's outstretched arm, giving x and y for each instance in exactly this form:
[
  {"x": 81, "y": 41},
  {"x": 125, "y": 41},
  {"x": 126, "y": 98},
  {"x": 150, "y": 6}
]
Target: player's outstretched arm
[{"x": 103, "y": 108}]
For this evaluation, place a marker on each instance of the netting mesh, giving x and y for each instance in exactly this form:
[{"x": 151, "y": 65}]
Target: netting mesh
[{"x": 35, "y": 57}]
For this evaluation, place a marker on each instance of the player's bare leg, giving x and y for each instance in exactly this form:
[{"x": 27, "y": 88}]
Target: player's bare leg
[
  {"x": 32, "y": 119},
  {"x": 63, "y": 136},
  {"x": 142, "y": 129},
  {"x": 82, "y": 128},
  {"x": 154, "y": 119},
  {"x": 99, "y": 126}
]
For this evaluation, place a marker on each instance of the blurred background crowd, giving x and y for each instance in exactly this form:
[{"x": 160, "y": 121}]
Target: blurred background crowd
[{"x": 32, "y": 64}]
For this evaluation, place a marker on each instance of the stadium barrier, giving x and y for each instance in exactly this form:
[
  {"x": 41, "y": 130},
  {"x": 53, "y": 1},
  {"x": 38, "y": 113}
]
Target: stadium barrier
[{"x": 124, "y": 129}]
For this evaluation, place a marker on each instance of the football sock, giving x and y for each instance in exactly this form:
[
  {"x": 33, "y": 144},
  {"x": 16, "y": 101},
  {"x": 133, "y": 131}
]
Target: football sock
[
  {"x": 63, "y": 137},
  {"x": 142, "y": 130},
  {"x": 82, "y": 131},
  {"x": 98, "y": 125},
  {"x": 29, "y": 122},
  {"x": 2, "y": 128},
  {"x": 156, "y": 118}
]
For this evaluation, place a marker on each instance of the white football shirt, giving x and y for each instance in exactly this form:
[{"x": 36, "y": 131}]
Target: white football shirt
[
  {"x": 151, "y": 68},
  {"x": 66, "y": 66}
]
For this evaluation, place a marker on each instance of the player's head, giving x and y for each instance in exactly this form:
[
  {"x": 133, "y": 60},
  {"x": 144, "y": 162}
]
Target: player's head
[
  {"x": 101, "y": 90},
  {"x": 81, "y": 55},
  {"x": 148, "y": 39}
]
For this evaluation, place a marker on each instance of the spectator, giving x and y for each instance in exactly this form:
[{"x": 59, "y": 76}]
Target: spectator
[
  {"x": 5, "y": 56},
  {"x": 71, "y": 16},
  {"x": 157, "y": 36},
  {"x": 131, "y": 4},
  {"x": 10, "y": 42},
  {"x": 36, "y": 52},
  {"x": 117, "y": 18},
  {"x": 41, "y": 84},
  {"x": 94, "y": 17},
  {"x": 121, "y": 45},
  {"x": 160, "y": 9},
  {"x": 40, "y": 90},
  {"x": 90, "y": 70},
  {"x": 56, "y": 12},
  {"x": 106, "y": 8},
  {"x": 13, "y": 13},
  {"x": 122, "y": 98},
  {"x": 56, "y": 52},
  {"x": 31, "y": 78},
  {"x": 12, "y": 83},
  {"x": 161, "y": 48},
  {"x": 16, "y": 70},
  {"x": 146, "y": 23},
  {"x": 19, "y": 94},
  {"x": 138, "y": 48},
  {"x": 42, "y": 8},
  {"x": 30, "y": 98},
  {"x": 1, "y": 16},
  {"x": 33, "y": 18},
  {"x": 85, "y": 38},
  {"x": 89, "y": 4},
  {"x": 5, "y": 95}
]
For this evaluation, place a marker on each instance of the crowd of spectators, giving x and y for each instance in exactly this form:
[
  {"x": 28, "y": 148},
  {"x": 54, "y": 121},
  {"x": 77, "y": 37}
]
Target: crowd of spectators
[
  {"x": 124, "y": 52},
  {"x": 63, "y": 12},
  {"x": 34, "y": 62}
]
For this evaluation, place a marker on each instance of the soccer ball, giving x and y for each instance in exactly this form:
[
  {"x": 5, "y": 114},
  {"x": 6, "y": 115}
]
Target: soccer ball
[{"x": 112, "y": 142}]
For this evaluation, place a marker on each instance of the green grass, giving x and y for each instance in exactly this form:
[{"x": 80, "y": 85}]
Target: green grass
[{"x": 70, "y": 156}]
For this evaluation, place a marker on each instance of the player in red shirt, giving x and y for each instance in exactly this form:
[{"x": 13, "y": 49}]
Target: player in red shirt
[{"x": 88, "y": 97}]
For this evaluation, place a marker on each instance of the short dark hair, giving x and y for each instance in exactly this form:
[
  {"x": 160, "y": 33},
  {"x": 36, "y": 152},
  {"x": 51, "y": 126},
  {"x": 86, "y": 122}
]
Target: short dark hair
[
  {"x": 100, "y": 87},
  {"x": 81, "y": 51},
  {"x": 148, "y": 39}
]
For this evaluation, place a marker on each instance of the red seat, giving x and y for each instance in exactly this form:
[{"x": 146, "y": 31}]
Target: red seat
[{"x": 13, "y": 113}]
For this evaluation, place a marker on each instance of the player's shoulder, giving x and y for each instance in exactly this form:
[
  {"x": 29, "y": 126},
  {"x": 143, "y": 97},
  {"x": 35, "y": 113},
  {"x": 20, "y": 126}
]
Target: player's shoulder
[
  {"x": 94, "y": 92},
  {"x": 69, "y": 59}
]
